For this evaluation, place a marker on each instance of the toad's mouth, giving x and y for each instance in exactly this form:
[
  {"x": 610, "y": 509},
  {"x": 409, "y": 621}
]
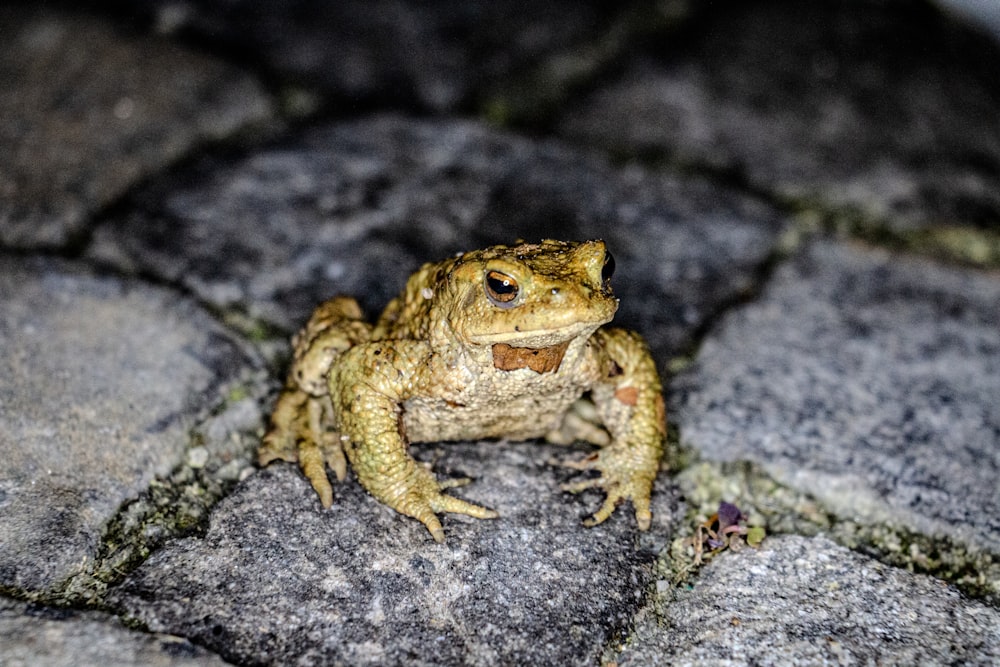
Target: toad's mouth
[
  {"x": 542, "y": 337},
  {"x": 540, "y": 360}
]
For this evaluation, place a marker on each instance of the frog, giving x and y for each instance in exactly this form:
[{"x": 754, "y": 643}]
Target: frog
[{"x": 507, "y": 343}]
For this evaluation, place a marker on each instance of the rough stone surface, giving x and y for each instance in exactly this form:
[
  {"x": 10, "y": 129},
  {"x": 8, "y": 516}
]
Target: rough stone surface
[
  {"x": 147, "y": 179},
  {"x": 355, "y": 207},
  {"x": 823, "y": 101},
  {"x": 867, "y": 379},
  {"x": 36, "y": 636},
  {"x": 100, "y": 379},
  {"x": 278, "y": 579},
  {"x": 802, "y": 601},
  {"x": 89, "y": 111}
]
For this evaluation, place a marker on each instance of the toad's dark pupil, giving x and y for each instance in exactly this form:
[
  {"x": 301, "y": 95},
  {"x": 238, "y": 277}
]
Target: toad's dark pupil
[
  {"x": 609, "y": 266},
  {"x": 502, "y": 287}
]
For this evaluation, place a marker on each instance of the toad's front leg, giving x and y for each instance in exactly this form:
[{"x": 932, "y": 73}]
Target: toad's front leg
[
  {"x": 368, "y": 387},
  {"x": 630, "y": 403}
]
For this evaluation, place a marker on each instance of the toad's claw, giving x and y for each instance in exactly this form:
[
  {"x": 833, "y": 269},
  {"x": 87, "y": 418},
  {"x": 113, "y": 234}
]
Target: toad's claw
[
  {"x": 426, "y": 510},
  {"x": 418, "y": 494},
  {"x": 314, "y": 467},
  {"x": 314, "y": 458},
  {"x": 443, "y": 503},
  {"x": 454, "y": 483},
  {"x": 623, "y": 477}
]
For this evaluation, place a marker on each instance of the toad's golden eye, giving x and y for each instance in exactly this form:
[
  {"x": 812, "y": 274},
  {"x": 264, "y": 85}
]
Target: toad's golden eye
[{"x": 501, "y": 289}]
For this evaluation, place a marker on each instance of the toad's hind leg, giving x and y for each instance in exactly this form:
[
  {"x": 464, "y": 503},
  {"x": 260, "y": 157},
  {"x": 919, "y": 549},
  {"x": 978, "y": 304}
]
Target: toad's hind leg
[
  {"x": 581, "y": 422},
  {"x": 302, "y": 424}
]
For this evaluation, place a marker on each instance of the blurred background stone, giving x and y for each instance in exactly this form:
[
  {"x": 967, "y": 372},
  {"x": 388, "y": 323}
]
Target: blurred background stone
[
  {"x": 882, "y": 112},
  {"x": 354, "y": 208},
  {"x": 90, "y": 110}
]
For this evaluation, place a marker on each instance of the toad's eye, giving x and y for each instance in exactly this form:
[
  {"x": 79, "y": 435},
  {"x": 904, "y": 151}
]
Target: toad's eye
[
  {"x": 609, "y": 267},
  {"x": 501, "y": 289}
]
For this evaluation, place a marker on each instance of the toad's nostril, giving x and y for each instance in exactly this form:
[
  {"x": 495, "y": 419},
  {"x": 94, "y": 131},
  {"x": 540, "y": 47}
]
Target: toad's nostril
[{"x": 609, "y": 266}]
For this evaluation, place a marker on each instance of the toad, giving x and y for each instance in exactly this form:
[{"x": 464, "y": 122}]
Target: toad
[{"x": 503, "y": 342}]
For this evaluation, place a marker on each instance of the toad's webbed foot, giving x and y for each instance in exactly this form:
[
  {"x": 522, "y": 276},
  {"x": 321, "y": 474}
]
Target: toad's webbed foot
[{"x": 626, "y": 474}]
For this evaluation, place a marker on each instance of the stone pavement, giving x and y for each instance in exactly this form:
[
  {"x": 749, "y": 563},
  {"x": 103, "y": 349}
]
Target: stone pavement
[{"x": 803, "y": 200}]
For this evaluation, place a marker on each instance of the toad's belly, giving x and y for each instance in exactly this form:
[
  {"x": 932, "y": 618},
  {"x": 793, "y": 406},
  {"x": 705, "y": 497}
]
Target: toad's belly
[{"x": 519, "y": 418}]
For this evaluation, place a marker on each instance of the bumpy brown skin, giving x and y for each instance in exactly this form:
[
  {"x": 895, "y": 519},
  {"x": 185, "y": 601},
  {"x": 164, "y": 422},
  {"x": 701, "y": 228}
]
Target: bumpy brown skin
[{"x": 495, "y": 343}]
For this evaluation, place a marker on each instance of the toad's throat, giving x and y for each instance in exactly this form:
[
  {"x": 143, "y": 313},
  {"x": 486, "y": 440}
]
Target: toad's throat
[{"x": 540, "y": 360}]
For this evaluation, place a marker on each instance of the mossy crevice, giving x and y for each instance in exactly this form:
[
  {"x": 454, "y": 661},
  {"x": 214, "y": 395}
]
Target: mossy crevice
[
  {"x": 783, "y": 510},
  {"x": 221, "y": 448},
  {"x": 951, "y": 242}
]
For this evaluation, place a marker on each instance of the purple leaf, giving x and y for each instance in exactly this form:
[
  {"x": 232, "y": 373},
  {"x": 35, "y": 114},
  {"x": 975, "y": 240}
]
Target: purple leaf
[{"x": 729, "y": 515}]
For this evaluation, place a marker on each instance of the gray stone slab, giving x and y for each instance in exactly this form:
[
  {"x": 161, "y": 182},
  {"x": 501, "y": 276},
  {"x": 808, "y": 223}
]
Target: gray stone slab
[
  {"x": 88, "y": 111},
  {"x": 276, "y": 579},
  {"x": 866, "y": 379},
  {"x": 802, "y": 601},
  {"x": 36, "y": 636},
  {"x": 355, "y": 207},
  {"x": 434, "y": 55},
  {"x": 982, "y": 12},
  {"x": 825, "y": 102},
  {"x": 100, "y": 380}
]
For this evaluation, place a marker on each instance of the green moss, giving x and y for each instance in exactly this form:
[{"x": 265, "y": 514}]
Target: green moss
[
  {"x": 975, "y": 572},
  {"x": 947, "y": 242},
  {"x": 966, "y": 245},
  {"x": 254, "y": 329},
  {"x": 535, "y": 97},
  {"x": 237, "y": 393},
  {"x": 298, "y": 102},
  {"x": 969, "y": 246},
  {"x": 133, "y": 623},
  {"x": 496, "y": 111}
]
